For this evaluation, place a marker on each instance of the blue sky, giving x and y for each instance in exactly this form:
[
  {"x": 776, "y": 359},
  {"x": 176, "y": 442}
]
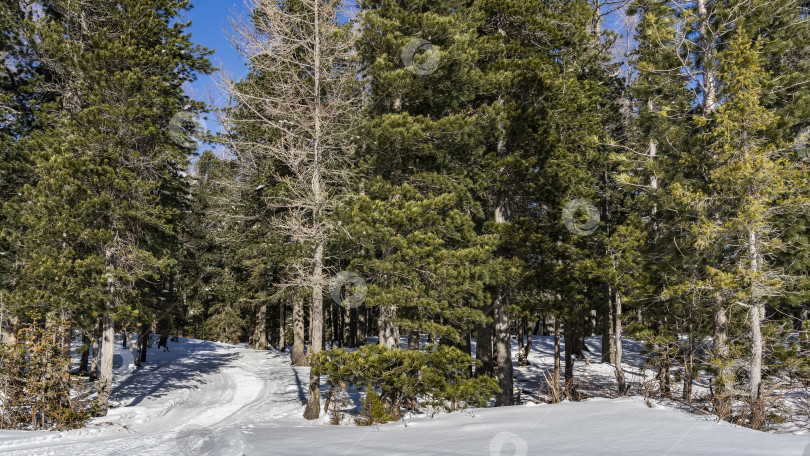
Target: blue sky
[{"x": 209, "y": 23}]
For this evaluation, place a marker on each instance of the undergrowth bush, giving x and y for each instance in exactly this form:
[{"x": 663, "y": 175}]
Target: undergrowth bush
[
  {"x": 36, "y": 388},
  {"x": 437, "y": 377}
]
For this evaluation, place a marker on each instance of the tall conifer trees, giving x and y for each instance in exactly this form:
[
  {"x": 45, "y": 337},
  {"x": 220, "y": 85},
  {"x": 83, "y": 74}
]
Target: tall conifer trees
[{"x": 91, "y": 220}]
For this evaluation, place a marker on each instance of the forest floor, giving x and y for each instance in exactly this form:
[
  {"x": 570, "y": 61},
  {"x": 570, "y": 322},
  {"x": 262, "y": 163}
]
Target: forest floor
[{"x": 206, "y": 398}]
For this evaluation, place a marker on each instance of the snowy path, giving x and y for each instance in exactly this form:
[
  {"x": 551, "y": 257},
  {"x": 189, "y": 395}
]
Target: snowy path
[
  {"x": 204, "y": 398},
  {"x": 170, "y": 410}
]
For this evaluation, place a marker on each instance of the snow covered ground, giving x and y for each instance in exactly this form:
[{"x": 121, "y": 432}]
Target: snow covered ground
[{"x": 205, "y": 398}]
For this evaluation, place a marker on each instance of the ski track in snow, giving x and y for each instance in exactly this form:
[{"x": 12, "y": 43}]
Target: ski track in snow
[{"x": 205, "y": 398}]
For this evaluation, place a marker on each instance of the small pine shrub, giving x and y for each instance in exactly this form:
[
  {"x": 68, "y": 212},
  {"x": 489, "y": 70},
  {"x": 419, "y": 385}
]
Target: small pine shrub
[
  {"x": 37, "y": 389},
  {"x": 438, "y": 377},
  {"x": 336, "y": 402},
  {"x": 373, "y": 409}
]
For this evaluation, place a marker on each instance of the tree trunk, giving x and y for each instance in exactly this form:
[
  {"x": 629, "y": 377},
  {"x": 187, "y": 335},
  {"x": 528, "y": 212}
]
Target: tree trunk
[
  {"x": 346, "y": 329},
  {"x": 9, "y": 323},
  {"x": 145, "y": 339},
  {"x": 721, "y": 348},
  {"x": 353, "y": 326},
  {"x": 392, "y": 401},
  {"x": 757, "y": 313},
  {"x": 282, "y": 325},
  {"x": 502, "y": 343},
  {"x": 521, "y": 329},
  {"x": 663, "y": 375},
  {"x": 94, "y": 363},
  {"x": 313, "y": 408},
  {"x": 66, "y": 328},
  {"x": 467, "y": 349},
  {"x": 527, "y": 349},
  {"x": 104, "y": 383},
  {"x": 136, "y": 356},
  {"x": 260, "y": 335},
  {"x": 413, "y": 340},
  {"x": 333, "y": 338},
  {"x": 617, "y": 345},
  {"x": 688, "y": 369},
  {"x": 503, "y": 351},
  {"x": 483, "y": 351},
  {"x": 86, "y": 342},
  {"x": 570, "y": 338},
  {"x": 388, "y": 329},
  {"x": 555, "y": 379},
  {"x": 362, "y": 325},
  {"x": 707, "y": 63},
  {"x": 608, "y": 350},
  {"x": 298, "y": 356}
]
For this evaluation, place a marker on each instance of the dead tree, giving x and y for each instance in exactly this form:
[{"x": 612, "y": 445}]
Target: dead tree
[{"x": 301, "y": 93}]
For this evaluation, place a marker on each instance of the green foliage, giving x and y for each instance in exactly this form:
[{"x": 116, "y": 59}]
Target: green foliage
[
  {"x": 439, "y": 376},
  {"x": 373, "y": 409},
  {"x": 96, "y": 224}
]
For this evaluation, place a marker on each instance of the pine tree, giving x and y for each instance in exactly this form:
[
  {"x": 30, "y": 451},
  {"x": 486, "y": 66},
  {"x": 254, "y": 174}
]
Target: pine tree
[
  {"x": 210, "y": 272},
  {"x": 678, "y": 101},
  {"x": 17, "y": 69},
  {"x": 567, "y": 164},
  {"x": 749, "y": 184},
  {"x": 421, "y": 152},
  {"x": 90, "y": 223}
]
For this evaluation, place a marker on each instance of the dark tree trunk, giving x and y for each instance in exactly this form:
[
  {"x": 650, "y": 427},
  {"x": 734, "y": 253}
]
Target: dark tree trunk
[
  {"x": 688, "y": 369},
  {"x": 570, "y": 338},
  {"x": 466, "y": 347},
  {"x": 521, "y": 329},
  {"x": 543, "y": 328},
  {"x": 86, "y": 342},
  {"x": 392, "y": 401},
  {"x": 527, "y": 349},
  {"x": 143, "y": 344},
  {"x": 556, "y": 352},
  {"x": 260, "y": 334},
  {"x": 298, "y": 356},
  {"x": 503, "y": 350},
  {"x": 524, "y": 347},
  {"x": 536, "y": 329},
  {"x": 362, "y": 325},
  {"x": 606, "y": 320},
  {"x": 346, "y": 329},
  {"x": 332, "y": 319},
  {"x": 483, "y": 351},
  {"x": 413, "y": 340},
  {"x": 663, "y": 375},
  {"x": 94, "y": 362},
  {"x": 353, "y": 326}
]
